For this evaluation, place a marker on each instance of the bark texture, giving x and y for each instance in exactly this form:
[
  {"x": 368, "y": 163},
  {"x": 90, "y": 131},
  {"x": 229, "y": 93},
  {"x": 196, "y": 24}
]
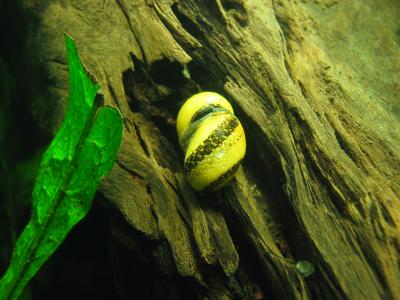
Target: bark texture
[{"x": 315, "y": 84}]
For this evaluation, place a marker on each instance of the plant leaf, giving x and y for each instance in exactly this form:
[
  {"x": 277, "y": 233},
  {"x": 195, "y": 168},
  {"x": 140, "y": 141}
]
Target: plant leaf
[{"x": 83, "y": 150}]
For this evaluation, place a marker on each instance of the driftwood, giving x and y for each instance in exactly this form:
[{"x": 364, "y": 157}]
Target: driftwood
[{"x": 316, "y": 86}]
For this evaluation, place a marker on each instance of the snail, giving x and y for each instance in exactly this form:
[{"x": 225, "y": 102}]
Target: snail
[{"x": 212, "y": 139}]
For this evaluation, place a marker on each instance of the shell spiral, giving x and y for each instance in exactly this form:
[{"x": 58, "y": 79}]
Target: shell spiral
[{"x": 213, "y": 141}]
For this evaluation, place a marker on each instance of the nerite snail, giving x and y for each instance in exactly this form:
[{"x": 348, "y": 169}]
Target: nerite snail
[{"x": 212, "y": 139}]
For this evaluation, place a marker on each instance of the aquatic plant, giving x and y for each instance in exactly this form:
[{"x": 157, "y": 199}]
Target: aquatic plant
[{"x": 82, "y": 152}]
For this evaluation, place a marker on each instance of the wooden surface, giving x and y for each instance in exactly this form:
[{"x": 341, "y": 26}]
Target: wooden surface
[{"x": 316, "y": 86}]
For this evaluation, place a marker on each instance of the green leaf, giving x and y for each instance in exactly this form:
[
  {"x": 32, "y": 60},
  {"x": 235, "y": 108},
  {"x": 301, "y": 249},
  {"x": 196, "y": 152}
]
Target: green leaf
[{"x": 83, "y": 150}]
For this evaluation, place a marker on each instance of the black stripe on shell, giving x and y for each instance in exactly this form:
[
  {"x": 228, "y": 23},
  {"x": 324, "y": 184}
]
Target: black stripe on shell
[
  {"x": 222, "y": 178},
  {"x": 212, "y": 142},
  {"x": 205, "y": 110}
]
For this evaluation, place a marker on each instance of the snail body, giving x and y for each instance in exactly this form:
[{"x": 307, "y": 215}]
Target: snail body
[{"x": 213, "y": 141}]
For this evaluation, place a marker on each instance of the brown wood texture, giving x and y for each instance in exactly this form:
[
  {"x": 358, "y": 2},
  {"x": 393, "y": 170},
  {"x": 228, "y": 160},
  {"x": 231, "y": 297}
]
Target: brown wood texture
[{"x": 316, "y": 86}]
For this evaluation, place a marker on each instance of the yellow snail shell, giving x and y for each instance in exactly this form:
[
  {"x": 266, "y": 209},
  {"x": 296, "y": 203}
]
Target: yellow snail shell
[{"x": 212, "y": 139}]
